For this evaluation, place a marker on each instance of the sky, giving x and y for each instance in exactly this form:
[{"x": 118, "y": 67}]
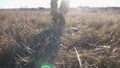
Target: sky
[{"x": 46, "y": 3}]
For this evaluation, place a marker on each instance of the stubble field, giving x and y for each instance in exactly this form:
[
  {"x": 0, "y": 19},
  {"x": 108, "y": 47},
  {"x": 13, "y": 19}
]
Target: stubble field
[{"x": 95, "y": 35}]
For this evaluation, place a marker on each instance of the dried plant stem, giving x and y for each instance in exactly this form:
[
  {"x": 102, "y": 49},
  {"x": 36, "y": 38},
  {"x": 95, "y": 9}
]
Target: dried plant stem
[{"x": 78, "y": 57}]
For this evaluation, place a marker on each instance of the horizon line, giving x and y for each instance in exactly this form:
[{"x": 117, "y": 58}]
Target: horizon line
[{"x": 70, "y": 7}]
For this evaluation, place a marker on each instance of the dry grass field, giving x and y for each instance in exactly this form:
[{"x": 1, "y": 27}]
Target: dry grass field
[{"x": 96, "y": 36}]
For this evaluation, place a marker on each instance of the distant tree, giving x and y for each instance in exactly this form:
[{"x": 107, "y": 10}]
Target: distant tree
[{"x": 41, "y": 8}]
